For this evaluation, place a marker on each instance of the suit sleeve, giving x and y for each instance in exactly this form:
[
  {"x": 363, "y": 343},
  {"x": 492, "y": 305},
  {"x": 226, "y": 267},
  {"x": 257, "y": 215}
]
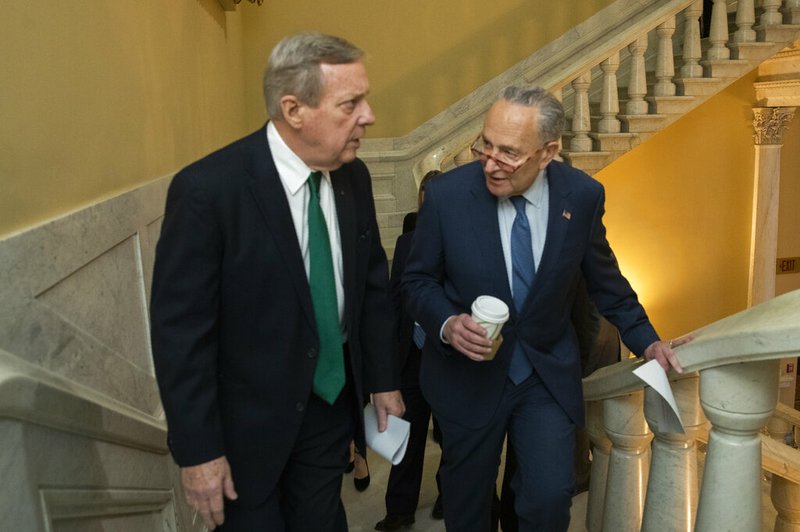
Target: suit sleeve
[
  {"x": 611, "y": 292},
  {"x": 377, "y": 316},
  {"x": 423, "y": 278},
  {"x": 184, "y": 322}
]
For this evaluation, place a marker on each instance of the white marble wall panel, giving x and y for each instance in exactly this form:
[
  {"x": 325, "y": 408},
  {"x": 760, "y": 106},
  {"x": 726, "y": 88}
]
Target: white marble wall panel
[{"x": 82, "y": 432}]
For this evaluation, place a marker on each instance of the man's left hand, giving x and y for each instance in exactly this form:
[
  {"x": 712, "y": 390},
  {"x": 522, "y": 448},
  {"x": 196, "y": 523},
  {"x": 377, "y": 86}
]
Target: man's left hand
[
  {"x": 663, "y": 353},
  {"x": 387, "y": 403}
]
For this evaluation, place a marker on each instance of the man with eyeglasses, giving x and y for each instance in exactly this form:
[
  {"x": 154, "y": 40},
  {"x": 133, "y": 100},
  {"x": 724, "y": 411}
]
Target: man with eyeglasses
[{"x": 521, "y": 227}]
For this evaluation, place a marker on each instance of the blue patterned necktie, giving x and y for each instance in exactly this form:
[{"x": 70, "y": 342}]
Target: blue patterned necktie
[
  {"x": 329, "y": 373},
  {"x": 418, "y": 335},
  {"x": 523, "y": 269}
]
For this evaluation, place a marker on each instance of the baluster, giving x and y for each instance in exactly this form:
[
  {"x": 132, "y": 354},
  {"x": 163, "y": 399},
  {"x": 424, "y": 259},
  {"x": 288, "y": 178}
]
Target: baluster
[
  {"x": 737, "y": 399},
  {"x": 791, "y": 12},
  {"x": 665, "y": 61},
  {"x": 581, "y": 119},
  {"x": 628, "y": 462},
  {"x": 609, "y": 105},
  {"x": 672, "y": 490},
  {"x": 785, "y": 494},
  {"x": 637, "y": 84},
  {"x": 601, "y": 450},
  {"x": 719, "y": 31},
  {"x": 691, "y": 41},
  {"x": 771, "y": 15},
  {"x": 745, "y": 18}
]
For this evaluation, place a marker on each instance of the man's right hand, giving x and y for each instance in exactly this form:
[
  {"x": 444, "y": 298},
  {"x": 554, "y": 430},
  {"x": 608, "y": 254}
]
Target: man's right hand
[
  {"x": 204, "y": 486},
  {"x": 467, "y": 337}
]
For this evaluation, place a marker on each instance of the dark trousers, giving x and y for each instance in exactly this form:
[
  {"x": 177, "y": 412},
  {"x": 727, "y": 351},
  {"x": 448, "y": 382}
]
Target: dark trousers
[
  {"x": 308, "y": 494},
  {"x": 405, "y": 478},
  {"x": 543, "y": 439}
]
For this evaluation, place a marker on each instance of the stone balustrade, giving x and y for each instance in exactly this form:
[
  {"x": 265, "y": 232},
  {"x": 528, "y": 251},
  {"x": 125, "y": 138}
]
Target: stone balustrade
[
  {"x": 626, "y": 88},
  {"x": 730, "y": 379}
]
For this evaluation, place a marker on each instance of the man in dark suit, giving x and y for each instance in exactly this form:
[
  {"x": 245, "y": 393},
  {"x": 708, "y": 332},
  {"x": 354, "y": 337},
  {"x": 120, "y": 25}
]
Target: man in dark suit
[
  {"x": 521, "y": 227},
  {"x": 270, "y": 311}
]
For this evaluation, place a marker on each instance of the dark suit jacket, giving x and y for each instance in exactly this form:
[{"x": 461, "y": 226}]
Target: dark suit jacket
[
  {"x": 233, "y": 330},
  {"x": 404, "y": 324},
  {"x": 457, "y": 256}
]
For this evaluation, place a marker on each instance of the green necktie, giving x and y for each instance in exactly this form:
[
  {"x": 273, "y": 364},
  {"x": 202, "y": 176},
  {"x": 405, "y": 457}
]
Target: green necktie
[{"x": 329, "y": 375}]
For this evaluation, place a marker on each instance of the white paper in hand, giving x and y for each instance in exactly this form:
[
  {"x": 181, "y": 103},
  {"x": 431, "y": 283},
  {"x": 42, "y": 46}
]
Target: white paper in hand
[
  {"x": 667, "y": 417},
  {"x": 392, "y": 443}
]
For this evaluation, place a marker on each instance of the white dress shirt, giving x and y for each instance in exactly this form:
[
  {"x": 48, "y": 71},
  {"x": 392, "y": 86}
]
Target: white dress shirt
[{"x": 294, "y": 177}]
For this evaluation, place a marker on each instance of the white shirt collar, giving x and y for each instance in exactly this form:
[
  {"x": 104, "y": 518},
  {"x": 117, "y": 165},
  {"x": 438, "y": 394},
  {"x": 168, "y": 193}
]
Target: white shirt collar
[{"x": 291, "y": 168}]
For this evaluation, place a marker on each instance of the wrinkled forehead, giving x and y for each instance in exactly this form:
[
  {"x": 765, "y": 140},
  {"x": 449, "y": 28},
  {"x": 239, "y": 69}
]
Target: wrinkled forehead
[
  {"x": 344, "y": 80},
  {"x": 510, "y": 125}
]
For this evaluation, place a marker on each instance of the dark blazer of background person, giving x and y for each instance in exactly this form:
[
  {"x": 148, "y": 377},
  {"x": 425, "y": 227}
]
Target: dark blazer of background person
[
  {"x": 231, "y": 296},
  {"x": 404, "y": 323},
  {"x": 457, "y": 248}
]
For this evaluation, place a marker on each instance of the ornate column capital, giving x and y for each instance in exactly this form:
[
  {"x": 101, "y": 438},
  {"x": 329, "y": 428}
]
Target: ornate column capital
[{"x": 769, "y": 124}]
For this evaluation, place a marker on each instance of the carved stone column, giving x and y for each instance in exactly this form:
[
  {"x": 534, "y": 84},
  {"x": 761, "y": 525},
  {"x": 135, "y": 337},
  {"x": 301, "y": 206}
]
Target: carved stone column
[{"x": 769, "y": 124}]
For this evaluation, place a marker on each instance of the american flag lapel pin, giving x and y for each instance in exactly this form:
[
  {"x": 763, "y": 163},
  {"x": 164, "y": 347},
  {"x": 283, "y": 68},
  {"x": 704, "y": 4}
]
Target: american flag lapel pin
[{"x": 566, "y": 214}]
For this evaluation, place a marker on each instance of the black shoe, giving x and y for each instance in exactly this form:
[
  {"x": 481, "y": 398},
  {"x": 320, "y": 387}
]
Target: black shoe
[
  {"x": 395, "y": 522},
  {"x": 361, "y": 483},
  {"x": 438, "y": 511}
]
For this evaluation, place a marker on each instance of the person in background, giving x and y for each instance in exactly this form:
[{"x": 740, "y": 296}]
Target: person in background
[
  {"x": 271, "y": 318},
  {"x": 521, "y": 227},
  {"x": 405, "y": 478}
]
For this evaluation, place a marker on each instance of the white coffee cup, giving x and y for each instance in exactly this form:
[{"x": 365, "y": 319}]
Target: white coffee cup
[{"x": 490, "y": 313}]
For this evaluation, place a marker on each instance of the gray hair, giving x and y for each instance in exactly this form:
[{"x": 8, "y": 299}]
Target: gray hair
[
  {"x": 551, "y": 112},
  {"x": 294, "y": 67}
]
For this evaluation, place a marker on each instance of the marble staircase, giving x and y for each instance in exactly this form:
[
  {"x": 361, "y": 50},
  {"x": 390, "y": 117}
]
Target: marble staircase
[{"x": 623, "y": 75}]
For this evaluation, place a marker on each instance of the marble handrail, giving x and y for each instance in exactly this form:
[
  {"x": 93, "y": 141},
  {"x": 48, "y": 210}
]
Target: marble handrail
[
  {"x": 34, "y": 395},
  {"x": 767, "y": 331}
]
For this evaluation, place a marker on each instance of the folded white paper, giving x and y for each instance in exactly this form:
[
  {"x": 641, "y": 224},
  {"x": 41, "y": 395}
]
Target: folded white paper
[
  {"x": 667, "y": 417},
  {"x": 392, "y": 443}
]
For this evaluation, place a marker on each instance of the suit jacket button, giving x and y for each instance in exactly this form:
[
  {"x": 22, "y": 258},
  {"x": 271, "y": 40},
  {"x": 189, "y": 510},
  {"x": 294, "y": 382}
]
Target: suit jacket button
[
  {"x": 300, "y": 406},
  {"x": 312, "y": 353}
]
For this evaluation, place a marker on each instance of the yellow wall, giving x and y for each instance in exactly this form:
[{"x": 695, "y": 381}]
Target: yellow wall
[
  {"x": 423, "y": 55},
  {"x": 679, "y": 213},
  {"x": 789, "y": 209},
  {"x": 100, "y": 97}
]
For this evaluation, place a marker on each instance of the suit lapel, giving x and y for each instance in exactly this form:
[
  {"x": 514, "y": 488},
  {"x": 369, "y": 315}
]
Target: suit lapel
[
  {"x": 270, "y": 197},
  {"x": 558, "y": 219},
  {"x": 345, "y": 213},
  {"x": 486, "y": 231}
]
